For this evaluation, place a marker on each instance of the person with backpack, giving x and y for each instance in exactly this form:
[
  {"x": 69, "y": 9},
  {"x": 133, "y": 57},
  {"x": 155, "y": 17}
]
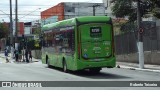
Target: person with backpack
[
  {"x": 16, "y": 55},
  {"x": 6, "y": 55}
]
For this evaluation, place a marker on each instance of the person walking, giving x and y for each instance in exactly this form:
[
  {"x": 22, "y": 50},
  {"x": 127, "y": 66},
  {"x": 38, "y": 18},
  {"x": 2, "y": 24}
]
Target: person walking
[
  {"x": 6, "y": 55},
  {"x": 20, "y": 55},
  {"x": 26, "y": 55},
  {"x": 30, "y": 55},
  {"x": 12, "y": 52},
  {"x": 16, "y": 55}
]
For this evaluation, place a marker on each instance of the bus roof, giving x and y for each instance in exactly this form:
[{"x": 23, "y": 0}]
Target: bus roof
[{"x": 75, "y": 21}]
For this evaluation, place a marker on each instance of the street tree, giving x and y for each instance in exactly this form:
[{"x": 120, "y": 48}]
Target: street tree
[
  {"x": 128, "y": 8},
  {"x": 4, "y": 30},
  {"x": 37, "y": 33},
  {"x": 156, "y": 8},
  {"x": 122, "y": 8},
  {"x": 135, "y": 9}
]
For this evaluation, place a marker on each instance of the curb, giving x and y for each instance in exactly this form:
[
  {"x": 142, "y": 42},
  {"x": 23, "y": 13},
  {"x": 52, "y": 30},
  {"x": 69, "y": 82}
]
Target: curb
[
  {"x": 3, "y": 57},
  {"x": 133, "y": 68}
]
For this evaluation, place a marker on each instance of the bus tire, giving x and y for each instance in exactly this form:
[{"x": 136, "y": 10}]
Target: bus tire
[
  {"x": 48, "y": 62},
  {"x": 95, "y": 70},
  {"x": 64, "y": 66}
]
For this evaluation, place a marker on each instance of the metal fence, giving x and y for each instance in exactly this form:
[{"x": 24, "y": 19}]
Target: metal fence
[
  {"x": 126, "y": 46},
  {"x": 127, "y": 43}
]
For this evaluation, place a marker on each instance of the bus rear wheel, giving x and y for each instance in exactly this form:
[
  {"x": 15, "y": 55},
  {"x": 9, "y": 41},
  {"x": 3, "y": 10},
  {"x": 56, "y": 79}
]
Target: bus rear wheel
[
  {"x": 64, "y": 66},
  {"x": 95, "y": 70}
]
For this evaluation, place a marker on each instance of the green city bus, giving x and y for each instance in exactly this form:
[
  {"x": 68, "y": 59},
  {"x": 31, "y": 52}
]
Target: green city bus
[{"x": 79, "y": 43}]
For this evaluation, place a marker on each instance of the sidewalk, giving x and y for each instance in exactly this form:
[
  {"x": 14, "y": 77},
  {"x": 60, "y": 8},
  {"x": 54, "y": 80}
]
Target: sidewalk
[
  {"x": 135, "y": 66},
  {"x": 126, "y": 65},
  {"x": 3, "y": 59}
]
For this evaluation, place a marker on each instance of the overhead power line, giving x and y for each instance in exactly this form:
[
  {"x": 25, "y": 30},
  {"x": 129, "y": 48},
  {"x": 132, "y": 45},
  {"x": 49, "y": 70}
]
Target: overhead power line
[{"x": 29, "y": 13}]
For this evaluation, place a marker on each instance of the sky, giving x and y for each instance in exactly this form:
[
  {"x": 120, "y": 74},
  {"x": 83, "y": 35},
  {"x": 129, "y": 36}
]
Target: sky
[{"x": 29, "y": 10}]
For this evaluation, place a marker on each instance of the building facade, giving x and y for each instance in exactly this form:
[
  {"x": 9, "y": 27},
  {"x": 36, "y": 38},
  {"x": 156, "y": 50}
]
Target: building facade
[
  {"x": 20, "y": 30},
  {"x": 108, "y": 5},
  {"x": 67, "y": 10}
]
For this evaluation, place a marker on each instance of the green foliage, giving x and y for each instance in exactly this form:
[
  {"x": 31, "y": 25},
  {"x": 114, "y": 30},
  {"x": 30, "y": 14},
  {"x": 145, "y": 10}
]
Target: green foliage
[
  {"x": 122, "y": 8},
  {"x": 37, "y": 31},
  {"x": 117, "y": 27},
  {"x": 34, "y": 44},
  {"x": 3, "y": 31},
  {"x": 155, "y": 8}
]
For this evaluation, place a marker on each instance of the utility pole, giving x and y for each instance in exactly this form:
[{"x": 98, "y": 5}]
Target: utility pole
[
  {"x": 16, "y": 25},
  {"x": 140, "y": 37},
  {"x": 11, "y": 24},
  {"x": 16, "y": 21},
  {"x": 94, "y": 9}
]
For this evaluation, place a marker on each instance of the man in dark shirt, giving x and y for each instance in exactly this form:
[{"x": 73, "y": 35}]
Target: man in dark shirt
[{"x": 26, "y": 55}]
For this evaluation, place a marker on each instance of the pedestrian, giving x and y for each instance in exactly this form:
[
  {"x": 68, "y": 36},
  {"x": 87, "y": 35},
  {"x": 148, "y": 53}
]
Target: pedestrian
[
  {"x": 0, "y": 48},
  {"x": 16, "y": 55},
  {"x": 26, "y": 55},
  {"x": 20, "y": 55},
  {"x": 30, "y": 55},
  {"x": 12, "y": 52},
  {"x": 6, "y": 55}
]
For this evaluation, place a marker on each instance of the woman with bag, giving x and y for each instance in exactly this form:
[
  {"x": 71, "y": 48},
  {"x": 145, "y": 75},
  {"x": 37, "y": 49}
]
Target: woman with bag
[{"x": 6, "y": 55}]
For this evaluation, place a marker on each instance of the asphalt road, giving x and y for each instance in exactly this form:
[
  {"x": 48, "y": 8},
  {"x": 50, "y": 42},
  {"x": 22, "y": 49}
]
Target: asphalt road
[{"x": 37, "y": 71}]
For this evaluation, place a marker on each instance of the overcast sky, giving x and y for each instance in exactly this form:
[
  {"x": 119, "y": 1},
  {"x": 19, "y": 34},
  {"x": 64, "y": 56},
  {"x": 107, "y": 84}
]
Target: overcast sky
[{"x": 29, "y": 10}]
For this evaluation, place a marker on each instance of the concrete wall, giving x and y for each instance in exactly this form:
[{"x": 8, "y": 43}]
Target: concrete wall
[
  {"x": 2, "y": 44},
  {"x": 149, "y": 57}
]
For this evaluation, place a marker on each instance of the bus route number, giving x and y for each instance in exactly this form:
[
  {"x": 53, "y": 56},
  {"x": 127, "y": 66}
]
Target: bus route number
[{"x": 95, "y": 30}]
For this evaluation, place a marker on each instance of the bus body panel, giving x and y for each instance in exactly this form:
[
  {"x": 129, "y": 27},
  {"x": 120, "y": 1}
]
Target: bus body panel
[
  {"x": 95, "y": 40},
  {"x": 96, "y": 63},
  {"x": 98, "y": 47}
]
